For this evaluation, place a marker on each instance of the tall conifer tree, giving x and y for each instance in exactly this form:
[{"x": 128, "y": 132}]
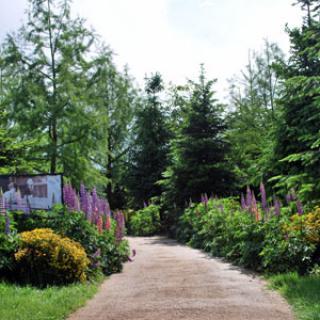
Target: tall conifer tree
[
  {"x": 298, "y": 138},
  {"x": 199, "y": 162},
  {"x": 149, "y": 152}
]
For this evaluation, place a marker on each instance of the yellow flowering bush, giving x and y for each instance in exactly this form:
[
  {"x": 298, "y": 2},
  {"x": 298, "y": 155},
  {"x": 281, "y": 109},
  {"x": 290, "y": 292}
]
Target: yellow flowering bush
[
  {"x": 307, "y": 225},
  {"x": 47, "y": 258}
]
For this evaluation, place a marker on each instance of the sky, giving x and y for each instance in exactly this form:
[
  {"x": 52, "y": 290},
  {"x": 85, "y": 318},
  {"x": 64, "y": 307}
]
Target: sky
[{"x": 174, "y": 37}]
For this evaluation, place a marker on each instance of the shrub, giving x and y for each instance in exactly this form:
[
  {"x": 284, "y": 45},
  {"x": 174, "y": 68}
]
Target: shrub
[
  {"x": 272, "y": 244},
  {"x": 112, "y": 253},
  {"x": 103, "y": 251},
  {"x": 47, "y": 258},
  {"x": 145, "y": 222}
]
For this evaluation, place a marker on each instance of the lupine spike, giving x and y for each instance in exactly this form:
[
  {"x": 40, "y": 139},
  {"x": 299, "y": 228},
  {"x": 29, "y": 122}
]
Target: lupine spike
[
  {"x": 100, "y": 224},
  {"x": 254, "y": 208},
  {"x": 264, "y": 203},
  {"x": 277, "y": 207},
  {"x": 248, "y": 197},
  {"x": 299, "y": 207},
  {"x": 108, "y": 222}
]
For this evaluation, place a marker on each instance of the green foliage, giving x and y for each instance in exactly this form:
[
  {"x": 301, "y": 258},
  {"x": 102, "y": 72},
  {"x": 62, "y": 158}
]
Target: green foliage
[
  {"x": 303, "y": 293},
  {"x": 283, "y": 252},
  {"x": 198, "y": 152},
  {"x": 149, "y": 148},
  {"x": 297, "y": 140},
  {"x": 254, "y": 115},
  {"x": 145, "y": 222},
  {"x": 102, "y": 249},
  {"x": 8, "y": 247},
  {"x": 54, "y": 303},
  {"x": 46, "y": 258},
  {"x": 272, "y": 244},
  {"x": 67, "y": 105},
  {"x": 112, "y": 253}
]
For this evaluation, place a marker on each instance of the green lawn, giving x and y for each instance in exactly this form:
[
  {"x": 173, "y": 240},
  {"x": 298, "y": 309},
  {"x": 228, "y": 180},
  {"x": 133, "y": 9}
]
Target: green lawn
[
  {"x": 54, "y": 303},
  {"x": 303, "y": 293}
]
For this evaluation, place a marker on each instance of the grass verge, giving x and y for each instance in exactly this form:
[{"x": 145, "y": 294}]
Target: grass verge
[
  {"x": 52, "y": 303},
  {"x": 303, "y": 293}
]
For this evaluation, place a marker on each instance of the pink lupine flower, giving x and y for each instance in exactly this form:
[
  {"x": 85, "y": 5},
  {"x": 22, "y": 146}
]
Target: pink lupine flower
[
  {"x": 108, "y": 222},
  {"x": 100, "y": 224}
]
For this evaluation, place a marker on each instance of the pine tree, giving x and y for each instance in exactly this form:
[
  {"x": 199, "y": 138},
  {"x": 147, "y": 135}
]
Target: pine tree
[{"x": 298, "y": 138}]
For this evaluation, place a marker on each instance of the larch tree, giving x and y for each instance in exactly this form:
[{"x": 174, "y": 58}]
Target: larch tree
[{"x": 50, "y": 58}]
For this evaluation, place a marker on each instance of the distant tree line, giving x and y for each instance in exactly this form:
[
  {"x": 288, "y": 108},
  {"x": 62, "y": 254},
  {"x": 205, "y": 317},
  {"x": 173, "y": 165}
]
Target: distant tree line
[{"x": 66, "y": 107}]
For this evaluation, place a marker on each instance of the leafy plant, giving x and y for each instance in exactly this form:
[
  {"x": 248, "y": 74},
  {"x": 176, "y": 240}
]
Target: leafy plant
[
  {"x": 47, "y": 258},
  {"x": 145, "y": 222}
]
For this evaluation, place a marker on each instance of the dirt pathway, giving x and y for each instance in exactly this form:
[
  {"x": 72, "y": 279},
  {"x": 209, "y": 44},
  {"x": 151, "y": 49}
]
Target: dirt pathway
[{"x": 168, "y": 281}]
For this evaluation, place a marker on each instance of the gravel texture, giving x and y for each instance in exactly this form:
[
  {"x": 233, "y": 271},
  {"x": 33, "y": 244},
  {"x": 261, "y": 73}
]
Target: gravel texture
[{"x": 169, "y": 281}]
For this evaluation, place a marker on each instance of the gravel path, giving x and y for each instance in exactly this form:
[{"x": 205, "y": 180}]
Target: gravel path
[{"x": 169, "y": 281}]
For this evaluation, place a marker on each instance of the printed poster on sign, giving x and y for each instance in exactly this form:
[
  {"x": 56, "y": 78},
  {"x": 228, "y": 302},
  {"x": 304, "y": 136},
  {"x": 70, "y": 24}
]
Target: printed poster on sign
[{"x": 31, "y": 192}]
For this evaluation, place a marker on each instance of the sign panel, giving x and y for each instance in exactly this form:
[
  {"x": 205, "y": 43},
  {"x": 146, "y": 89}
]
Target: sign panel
[{"x": 31, "y": 191}]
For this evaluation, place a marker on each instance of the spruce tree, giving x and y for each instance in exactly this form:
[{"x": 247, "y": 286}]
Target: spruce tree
[
  {"x": 199, "y": 161},
  {"x": 149, "y": 150}
]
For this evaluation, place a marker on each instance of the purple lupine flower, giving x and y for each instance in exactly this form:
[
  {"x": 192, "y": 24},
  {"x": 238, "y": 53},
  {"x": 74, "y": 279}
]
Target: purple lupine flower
[
  {"x": 7, "y": 221},
  {"x": 77, "y": 199},
  {"x": 90, "y": 211},
  {"x": 94, "y": 199},
  {"x": 288, "y": 198},
  {"x": 263, "y": 198},
  {"x": 248, "y": 197},
  {"x": 243, "y": 202},
  {"x": 206, "y": 199},
  {"x": 69, "y": 197},
  {"x": 299, "y": 207},
  {"x": 83, "y": 199},
  {"x": 277, "y": 207}
]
